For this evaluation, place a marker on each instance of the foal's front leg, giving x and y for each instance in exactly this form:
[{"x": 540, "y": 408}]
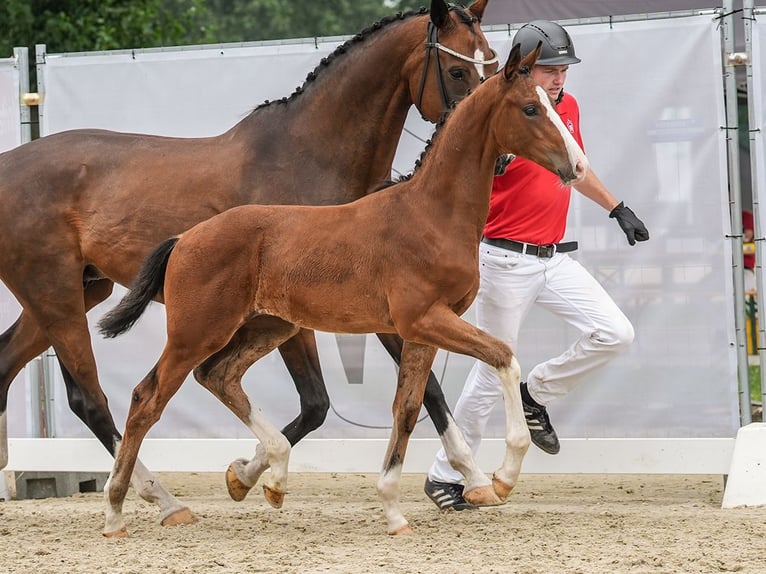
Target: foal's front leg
[
  {"x": 441, "y": 327},
  {"x": 458, "y": 452},
  {"x": 516, "y": 431}
]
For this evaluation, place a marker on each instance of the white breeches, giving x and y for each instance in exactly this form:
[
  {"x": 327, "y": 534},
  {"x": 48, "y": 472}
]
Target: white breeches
[{"x": 511, "y": 283}]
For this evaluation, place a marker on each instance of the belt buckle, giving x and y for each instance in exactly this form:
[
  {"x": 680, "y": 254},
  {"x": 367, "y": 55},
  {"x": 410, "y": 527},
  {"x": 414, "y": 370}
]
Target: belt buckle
[{"x": 546, "y": 250}]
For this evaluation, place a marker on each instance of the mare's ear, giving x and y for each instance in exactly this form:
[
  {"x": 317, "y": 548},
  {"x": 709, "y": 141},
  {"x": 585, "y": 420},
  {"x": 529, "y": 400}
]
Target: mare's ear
[
  {"x": 477, "y": 8},
  {"x": 512, "y": 65},
  {"x": 440, "y": 13},
  {"x": 530, "y": 59}
]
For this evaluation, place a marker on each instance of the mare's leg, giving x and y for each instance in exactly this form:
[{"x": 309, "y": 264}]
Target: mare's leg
[
  {"x": 19, "y": 344},
  {"x": 221, "y": 374},
  {"x": 415, "y": 363},
  {"x": 457, "y": 450},
  {"x": 441, "y": 327}
]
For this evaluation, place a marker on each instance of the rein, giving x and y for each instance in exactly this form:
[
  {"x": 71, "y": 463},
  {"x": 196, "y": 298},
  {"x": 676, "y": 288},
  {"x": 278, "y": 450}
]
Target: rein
[{"x": 432, "y": 44}]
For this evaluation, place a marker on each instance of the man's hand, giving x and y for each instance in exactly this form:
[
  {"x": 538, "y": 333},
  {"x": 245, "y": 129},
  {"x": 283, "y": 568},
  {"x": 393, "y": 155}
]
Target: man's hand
[{"x": 633, "y": 227}]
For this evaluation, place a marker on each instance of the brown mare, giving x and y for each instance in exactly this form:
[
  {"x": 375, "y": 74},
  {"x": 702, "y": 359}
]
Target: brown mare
[
  {"x": 402, "y": 260},
  {"x": 82, "y": 209}
]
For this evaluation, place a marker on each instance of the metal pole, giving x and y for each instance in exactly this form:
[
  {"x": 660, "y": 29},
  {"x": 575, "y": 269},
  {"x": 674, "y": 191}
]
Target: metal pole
[
  {"x": 735, "y": 202},
  {"x": 22, "y": 63},
  {"x": 748, "y": 16}
]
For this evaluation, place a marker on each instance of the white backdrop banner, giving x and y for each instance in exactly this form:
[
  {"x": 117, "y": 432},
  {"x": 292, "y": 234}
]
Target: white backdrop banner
[
  {"x": 10, "y": 104},
  {"x": 652, "y": 122},
  {"x": 10, "y": 137}
]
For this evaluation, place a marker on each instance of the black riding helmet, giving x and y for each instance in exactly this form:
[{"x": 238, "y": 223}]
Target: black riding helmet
[{"x": 558, "y": 49}]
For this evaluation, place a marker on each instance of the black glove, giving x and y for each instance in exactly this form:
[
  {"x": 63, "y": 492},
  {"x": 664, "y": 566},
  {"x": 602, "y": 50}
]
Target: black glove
[
  {"x": 633, "y": 227},
  {"x": 501, "y": 163}
]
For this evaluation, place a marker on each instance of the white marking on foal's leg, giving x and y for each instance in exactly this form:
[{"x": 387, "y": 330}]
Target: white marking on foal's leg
[
  {"x": 478, "y": 488},
  {"x": 461, "y": 458},
  {"x": 517, "y": 437},
  {"x": 249, "y": 471},
  {"x": 3, "y": 440},
  {"x": 114, "y": 521},
  {"x": 277, "y": 449},
  {"x": 149, "y": 488},
  {"x": 388, "y": 489}
]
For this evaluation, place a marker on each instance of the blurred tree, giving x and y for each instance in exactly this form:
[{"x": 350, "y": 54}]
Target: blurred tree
[
  {"x": 88, "y": 25},
  {"x": 252, "y": 20}
]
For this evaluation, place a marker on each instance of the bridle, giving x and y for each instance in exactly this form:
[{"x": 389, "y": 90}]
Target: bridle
[{"x": 432, "y": 44}]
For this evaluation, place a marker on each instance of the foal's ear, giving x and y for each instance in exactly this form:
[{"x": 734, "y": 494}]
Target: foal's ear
[
  {"x": 477, "y": 8},
  {"x": 440, "y": 13},
  {"x": 512, "y": 65},
  {"x": 530, "y": 59}
]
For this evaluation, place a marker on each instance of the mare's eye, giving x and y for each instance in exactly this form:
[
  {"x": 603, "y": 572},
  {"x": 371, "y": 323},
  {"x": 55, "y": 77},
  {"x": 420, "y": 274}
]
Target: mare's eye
[
  {"x": 458, "y": 75},
  {"x": 530, "y": 110}
]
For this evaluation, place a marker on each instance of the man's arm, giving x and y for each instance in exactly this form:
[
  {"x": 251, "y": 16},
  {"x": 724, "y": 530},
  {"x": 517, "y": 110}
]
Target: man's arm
[{"x": 592, "y": 188}]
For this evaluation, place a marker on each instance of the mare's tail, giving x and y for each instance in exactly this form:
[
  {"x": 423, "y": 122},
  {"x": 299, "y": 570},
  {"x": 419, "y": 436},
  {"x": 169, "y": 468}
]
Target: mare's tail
[{"x": 149, "y": 282}]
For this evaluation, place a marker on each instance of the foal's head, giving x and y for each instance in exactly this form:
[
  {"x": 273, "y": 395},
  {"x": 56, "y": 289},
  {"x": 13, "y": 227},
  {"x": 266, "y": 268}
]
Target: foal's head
[
  {"x": 456, "y": 58},
  {"x": 525, "y": 122}
]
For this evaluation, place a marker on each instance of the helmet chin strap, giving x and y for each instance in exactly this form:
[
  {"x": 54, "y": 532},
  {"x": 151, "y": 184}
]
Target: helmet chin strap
[{"x": 560, "y": 97}]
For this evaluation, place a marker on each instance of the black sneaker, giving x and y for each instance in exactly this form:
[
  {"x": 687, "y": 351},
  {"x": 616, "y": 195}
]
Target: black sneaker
[
  {"x": 540, "y": 428},
  {"x": 447, "y": 495}
]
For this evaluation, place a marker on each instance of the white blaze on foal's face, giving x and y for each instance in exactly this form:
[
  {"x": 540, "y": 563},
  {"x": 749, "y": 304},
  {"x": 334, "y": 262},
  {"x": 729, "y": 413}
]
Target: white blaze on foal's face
[{"x": 576, "y": 155}]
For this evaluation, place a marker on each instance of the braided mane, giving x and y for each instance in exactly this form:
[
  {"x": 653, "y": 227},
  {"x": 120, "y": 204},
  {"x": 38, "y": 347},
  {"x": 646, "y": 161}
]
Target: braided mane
[{"x": 342, "y": 49}]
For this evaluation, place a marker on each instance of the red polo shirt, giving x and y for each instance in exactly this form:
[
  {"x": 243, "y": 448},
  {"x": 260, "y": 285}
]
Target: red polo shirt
[{"x": 528, "y": 202}]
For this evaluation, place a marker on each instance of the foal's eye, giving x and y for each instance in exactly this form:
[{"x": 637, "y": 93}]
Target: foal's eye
[
  {"x": 530, "y": 110},
  {"x": 458, "y": 75}
]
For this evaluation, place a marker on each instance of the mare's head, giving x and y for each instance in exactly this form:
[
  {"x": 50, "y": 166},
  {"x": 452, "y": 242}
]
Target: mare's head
[
  {"x": 456, "y": 57},
  {"x": 525, "y": 122}
]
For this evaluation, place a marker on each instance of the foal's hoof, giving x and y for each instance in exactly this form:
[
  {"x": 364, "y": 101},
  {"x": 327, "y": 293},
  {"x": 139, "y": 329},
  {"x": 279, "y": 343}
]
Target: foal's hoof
[
  {"x": 402, "y": 530},
  {"x": 501, "y": 489},
  {"x": 274, "y": 497},
  {"x": 180, "y": 517},
  {"x": 237, "y": 489},
  {"x": 482, "y": 496},
  {"x": 121, "y": 533}
]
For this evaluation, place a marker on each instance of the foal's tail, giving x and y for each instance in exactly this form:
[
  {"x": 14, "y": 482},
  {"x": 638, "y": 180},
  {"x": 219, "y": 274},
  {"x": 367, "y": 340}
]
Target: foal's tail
[{"x": 149, "y": 282}]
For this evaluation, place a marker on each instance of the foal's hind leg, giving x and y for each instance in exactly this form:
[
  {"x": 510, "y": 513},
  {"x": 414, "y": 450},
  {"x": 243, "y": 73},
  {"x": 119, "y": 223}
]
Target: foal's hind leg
[
  {"x": 413, "y": 371},
  {"x": 221, "y": 374},
  {"x": 149, "y": 399}
]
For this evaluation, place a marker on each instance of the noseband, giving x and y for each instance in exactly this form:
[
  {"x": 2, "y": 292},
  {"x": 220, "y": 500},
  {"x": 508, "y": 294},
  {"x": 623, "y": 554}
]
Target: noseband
[{"x": 432, "y": 44}]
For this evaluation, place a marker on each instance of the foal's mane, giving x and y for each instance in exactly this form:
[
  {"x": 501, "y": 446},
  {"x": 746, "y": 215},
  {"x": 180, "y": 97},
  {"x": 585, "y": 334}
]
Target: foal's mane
[{"x": 342, "y": 49}]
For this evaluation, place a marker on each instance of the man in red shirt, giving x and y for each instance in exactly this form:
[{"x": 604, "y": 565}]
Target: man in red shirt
[{"x": 523, "y": 263}]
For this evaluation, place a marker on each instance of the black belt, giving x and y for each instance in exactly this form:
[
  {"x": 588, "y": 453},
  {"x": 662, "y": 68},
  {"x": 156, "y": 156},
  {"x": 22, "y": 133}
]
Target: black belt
[{"x": 530, "y": 248}]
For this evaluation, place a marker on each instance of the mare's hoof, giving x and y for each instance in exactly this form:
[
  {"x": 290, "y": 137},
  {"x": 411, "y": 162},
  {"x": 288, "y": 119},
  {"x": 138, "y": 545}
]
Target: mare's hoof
[
  {"x": 274, "y": 497},
  {"x": 501, "y": 489},
  {"x": 237, "y": 489},
  {"x": 402, "y": 530},
  {"x": 482, "y": 496},
  {"x": 121, "y": 533},
  {"x": 180, "y": 517}
]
